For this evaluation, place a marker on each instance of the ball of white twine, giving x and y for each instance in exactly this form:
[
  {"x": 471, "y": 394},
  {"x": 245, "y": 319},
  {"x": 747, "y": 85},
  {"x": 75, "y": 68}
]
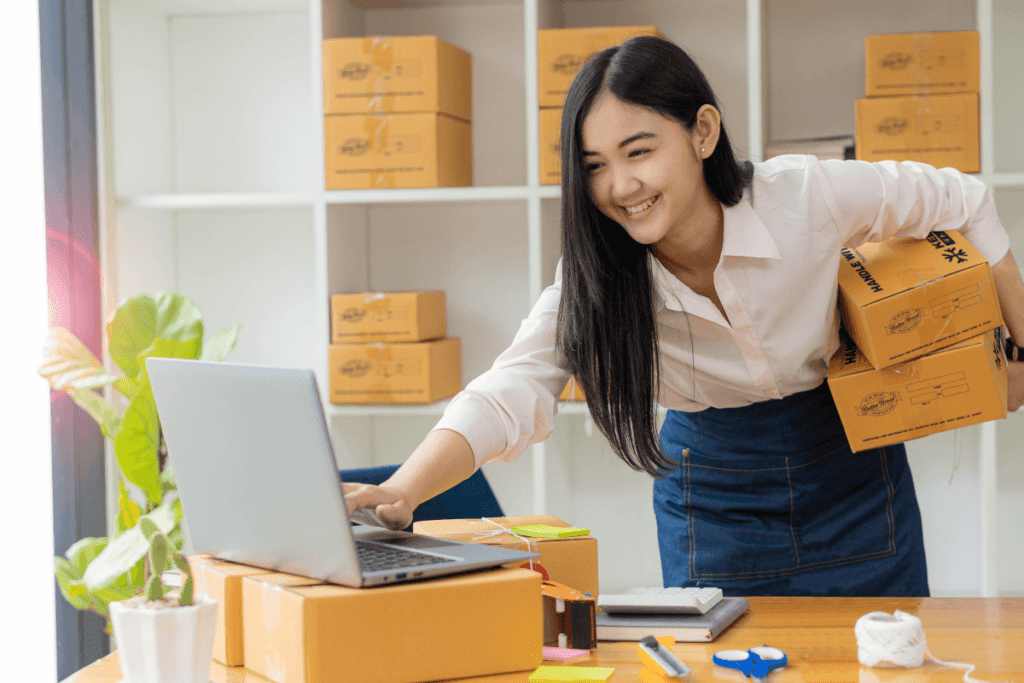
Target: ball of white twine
[{"x": 896, "y": 640}]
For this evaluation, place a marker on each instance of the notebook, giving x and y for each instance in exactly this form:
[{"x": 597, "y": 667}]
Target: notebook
[
  {"x": 690, "y": 628},
  {"x": 258, "y": 482}
]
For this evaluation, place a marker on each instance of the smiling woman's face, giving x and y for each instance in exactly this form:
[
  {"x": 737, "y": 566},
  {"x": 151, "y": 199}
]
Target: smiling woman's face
[{"x": 644, "y": 169}]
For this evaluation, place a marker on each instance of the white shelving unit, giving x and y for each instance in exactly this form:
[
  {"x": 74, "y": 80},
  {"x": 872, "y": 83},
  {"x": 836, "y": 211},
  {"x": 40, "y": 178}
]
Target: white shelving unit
[{"x": 212, "y": 169}]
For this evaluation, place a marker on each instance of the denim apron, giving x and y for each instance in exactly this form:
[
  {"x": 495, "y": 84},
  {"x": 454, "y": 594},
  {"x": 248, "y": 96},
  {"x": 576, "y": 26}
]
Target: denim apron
[{"x": 769, "y": 500}]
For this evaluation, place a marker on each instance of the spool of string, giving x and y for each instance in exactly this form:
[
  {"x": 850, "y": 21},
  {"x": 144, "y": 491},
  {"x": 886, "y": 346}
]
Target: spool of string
[{"x": 896, "y": 640}]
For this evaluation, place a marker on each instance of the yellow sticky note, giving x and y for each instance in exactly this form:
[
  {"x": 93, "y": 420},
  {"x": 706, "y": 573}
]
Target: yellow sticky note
[
  {"x": 548, "y": 531},
  {"x": 571, "y": 673}
]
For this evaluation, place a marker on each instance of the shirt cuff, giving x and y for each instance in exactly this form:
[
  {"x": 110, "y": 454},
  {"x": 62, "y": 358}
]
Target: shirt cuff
[{"x": 473, "y": 417}]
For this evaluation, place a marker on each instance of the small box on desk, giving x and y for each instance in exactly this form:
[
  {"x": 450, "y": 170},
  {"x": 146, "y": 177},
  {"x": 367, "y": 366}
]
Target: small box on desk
[
  {"x": 387, "y": 316},
  {"x": 917, "y": 63},
  {"x": 368, "y": 151},
  {"x": 562, "y": 52},
  {"x": 571, "y": 561},
  {"x": 474, "y": 624},
  {"x": 386, "y": 74},
  {"x": 403, "y": 372},
  {"x": 222, "y": 581},
  {"x": 941, "y": 130},
  {"x": 960, "y": 385},
  {"x": 905, "y": 297}
]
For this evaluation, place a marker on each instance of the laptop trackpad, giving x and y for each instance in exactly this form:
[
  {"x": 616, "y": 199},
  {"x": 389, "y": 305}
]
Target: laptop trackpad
[{"x": 416, "y": 542}]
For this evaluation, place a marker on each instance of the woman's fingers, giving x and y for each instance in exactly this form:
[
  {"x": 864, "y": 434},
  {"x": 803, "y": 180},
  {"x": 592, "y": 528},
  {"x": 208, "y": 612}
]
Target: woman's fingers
[{"x": 388, "y": 504}]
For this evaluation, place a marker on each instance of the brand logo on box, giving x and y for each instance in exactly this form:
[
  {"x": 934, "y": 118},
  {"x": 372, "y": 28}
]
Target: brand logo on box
[
  {"x": 905, "y": 321},
  {"x": 353, "y": 314},
  {"x": 355, "y": 368},
  {"x": 878, "y": 403},
  {"x": 355, "y": 147},
  {"x": 897, "y": 61},
  {"x": 568, "y": 64},
  {"x": 355, "y": 71},
  {"x": 893, "y": 125}
]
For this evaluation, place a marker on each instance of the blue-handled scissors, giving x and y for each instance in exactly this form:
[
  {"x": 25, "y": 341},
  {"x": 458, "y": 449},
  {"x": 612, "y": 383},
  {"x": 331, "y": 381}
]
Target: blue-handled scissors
[{"x": 754, "y": 663}]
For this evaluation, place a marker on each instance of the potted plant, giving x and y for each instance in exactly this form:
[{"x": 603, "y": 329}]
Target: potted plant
[
  {"x": 166, "y": 325},
  {"x": 162, "y": 637}
]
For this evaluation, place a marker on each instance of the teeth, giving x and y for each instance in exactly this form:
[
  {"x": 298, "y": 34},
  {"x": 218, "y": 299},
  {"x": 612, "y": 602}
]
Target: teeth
[{"x": 633, "y": 210}]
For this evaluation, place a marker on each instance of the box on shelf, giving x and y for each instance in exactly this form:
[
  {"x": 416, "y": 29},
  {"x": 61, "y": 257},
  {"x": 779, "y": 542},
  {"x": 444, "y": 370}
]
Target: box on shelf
[
  {"x": 403, "y": 372},
  {"x": 960, "y": 385},
  {"x": 222, "y": 581},
  {"x": 474, "y": 624},
  {"x": 397, "y": 150},
  {"x": 922, "y": 63},
  {"x": 387, "y": 316},
  {"x": 550, "y": 133},
  {"x": 571, "y": 561},
  {"x": 572, "y": 392},
  {"x": 561, "y": 52},
  {"x": 385, "y": 74},
  {"x": 905, "y": 297},
  {"x": 941, "y": 130}
]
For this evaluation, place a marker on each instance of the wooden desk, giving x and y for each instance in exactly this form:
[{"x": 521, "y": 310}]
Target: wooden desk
[{"x": 816, "y": 633}]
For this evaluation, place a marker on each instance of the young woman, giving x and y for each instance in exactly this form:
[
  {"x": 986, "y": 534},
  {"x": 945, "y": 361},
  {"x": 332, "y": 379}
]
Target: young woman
[{"x": 709, "y": 285}]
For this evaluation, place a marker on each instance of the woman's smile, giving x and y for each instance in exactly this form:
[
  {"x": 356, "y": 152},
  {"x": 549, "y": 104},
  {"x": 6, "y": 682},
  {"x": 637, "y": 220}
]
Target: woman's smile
[{"x": 641, "y": 209}]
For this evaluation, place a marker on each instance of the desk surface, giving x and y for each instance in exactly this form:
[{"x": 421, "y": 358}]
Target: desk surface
[{"x": 816, "y": 633}]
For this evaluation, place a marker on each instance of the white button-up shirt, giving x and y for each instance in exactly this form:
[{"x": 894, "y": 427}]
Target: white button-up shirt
[{"x": 777, "y": 279}]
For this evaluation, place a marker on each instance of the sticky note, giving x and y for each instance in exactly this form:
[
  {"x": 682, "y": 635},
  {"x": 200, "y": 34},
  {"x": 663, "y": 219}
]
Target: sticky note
[
  {"x": 548, "y": 531},
  {"x": 564, "y": 654},
  {"x": 571, "y": 673}
]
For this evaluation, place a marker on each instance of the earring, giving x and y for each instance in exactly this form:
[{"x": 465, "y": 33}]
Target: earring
[{"x": 702, "y": 149}]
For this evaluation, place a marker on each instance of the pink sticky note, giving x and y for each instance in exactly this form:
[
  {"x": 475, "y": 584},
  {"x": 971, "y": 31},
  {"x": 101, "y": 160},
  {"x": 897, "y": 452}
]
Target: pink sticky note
[{"x": 563, "y": 654}]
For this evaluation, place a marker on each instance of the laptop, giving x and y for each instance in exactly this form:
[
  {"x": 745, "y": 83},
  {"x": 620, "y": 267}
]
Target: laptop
[{"x": 258, "y": 482}]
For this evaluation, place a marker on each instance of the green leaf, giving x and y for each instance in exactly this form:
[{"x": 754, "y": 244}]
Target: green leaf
[
  {"x": 106, "y": 415},
  {"x": 131, "y": 330},
  {"x": 70, "y": 583},
  {"x": 124, "y": 552},
  {"x": 221, "y": 343},
  {"x": 178, "y": 318},
  {"x": 166, "y": 348},
  {"x": 67, "y": 362},
  {"x": 126, "y": 387},
  {"x": 167, "y": 478},
  {"x": 128, "y": 511},
  {"x": 85, "y": 551},
  {"x": 136, "y": 445}
]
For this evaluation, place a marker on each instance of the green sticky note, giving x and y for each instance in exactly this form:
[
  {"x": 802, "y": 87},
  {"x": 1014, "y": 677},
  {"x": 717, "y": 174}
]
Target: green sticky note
[
  {"x": 548, "y": 531},
  {"x": 571, "y": 673}
]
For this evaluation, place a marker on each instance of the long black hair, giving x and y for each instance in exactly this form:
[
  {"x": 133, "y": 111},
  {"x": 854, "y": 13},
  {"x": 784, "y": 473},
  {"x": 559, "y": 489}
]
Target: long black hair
[{"x": 606, "y": 318}]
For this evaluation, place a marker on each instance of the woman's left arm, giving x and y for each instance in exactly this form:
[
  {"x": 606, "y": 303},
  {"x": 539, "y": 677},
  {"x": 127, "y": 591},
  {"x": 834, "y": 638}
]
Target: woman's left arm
[{"x": 1010, "y": 288}]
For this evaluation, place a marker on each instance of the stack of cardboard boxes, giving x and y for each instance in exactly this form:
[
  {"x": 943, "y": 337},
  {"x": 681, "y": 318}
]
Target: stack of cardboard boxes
[
  {"x": 925, "y": 351},
  {"x": 560, "y": 55},
  {"x": 398, "y": 113},
  {"x": 391, "y": 348},
  {"x": 922, "y": 99}
]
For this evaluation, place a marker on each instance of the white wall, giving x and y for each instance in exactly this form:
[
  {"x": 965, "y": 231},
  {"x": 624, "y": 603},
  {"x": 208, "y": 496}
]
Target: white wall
[{"x": 28, "y": 627}]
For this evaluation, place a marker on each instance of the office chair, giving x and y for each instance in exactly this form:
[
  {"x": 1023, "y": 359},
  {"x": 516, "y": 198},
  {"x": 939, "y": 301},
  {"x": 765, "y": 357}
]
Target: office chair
[{"x": 469, "y": 499}]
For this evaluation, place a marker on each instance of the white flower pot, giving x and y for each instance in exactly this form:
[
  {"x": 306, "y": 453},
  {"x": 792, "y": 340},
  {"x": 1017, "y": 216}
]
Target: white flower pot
[{"x": 165, "y": 645}]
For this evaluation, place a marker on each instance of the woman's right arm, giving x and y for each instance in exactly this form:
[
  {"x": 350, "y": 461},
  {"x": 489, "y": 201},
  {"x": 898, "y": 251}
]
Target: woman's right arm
[{"x": 443, "y": 460}]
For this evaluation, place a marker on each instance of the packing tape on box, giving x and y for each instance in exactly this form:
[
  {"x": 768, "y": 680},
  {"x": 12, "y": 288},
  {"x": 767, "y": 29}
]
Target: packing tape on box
[
  {"x": 481, "y": 535},
  {"x": 381, "y": 53},
  {"x": 895, "y": 640}
]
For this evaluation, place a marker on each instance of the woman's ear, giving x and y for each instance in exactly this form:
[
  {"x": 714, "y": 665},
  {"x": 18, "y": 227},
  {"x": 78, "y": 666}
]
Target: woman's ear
[{"x": 706, "y": 131}]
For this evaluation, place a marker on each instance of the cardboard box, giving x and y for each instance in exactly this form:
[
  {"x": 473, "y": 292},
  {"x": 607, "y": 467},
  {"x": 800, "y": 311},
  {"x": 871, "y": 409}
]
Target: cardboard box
[
  {"x": 960, "y": 385},
  {"x": 474, "y": 624},
  {"x": 387, "y": 316},
  {"x": 222, "y": 581},
  {"x": 397, "y": 150},
  {"x": 561, "y": 52},
  {"x": 571, "y": 561},
  {"x": 922, "y": 63},
  {"x": 572, "y": 392},
  {"x": 941, "y": 130},
  {"x": 904, "y": 297},
  {"x": 414, "y": 372},
  {"x": 550, "y": 146},
  {"x": 386, "y": 74}
]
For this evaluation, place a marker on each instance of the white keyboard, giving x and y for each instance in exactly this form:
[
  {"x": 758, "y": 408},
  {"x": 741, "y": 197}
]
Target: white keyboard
[{"x": 661, "y": 600}]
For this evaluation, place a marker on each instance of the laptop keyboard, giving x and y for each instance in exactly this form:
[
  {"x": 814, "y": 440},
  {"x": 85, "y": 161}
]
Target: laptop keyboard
[{"x": 378, "y": 556}]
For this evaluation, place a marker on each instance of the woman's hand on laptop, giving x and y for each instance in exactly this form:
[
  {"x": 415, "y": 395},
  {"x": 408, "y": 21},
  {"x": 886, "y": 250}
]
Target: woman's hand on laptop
[{"x": 388, "y": 503}]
